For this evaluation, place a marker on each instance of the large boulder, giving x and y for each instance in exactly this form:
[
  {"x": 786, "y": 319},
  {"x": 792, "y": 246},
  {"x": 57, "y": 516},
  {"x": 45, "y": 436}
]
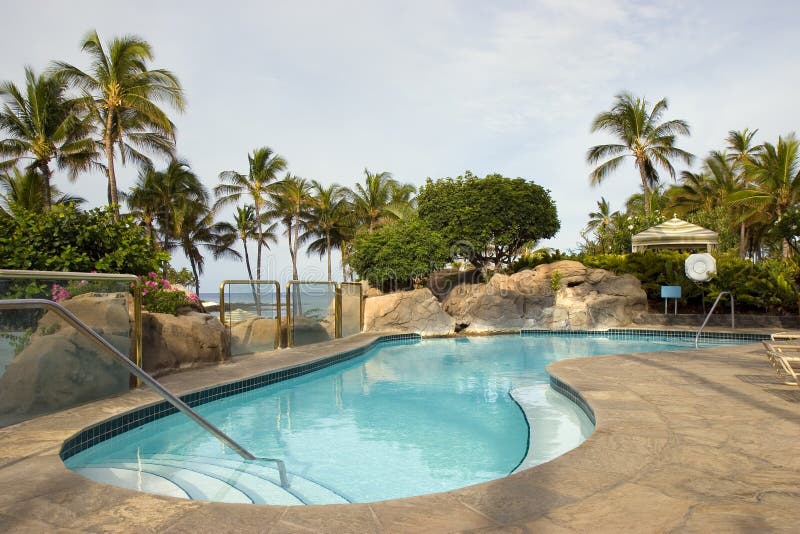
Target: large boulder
[
  {"x": 176, "y": 342},
  {"x": 61, "y": 367},
  {"x": 586, "y": 299},
  {"x": 411, "y": 311},
  {"x": 253, "y": 335}
]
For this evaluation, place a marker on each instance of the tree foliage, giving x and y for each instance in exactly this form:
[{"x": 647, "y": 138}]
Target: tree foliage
[
  {"x": 67, "y": 239},
  {"x": 399, "y": 254},
  {"x": 487, "y": 220}
]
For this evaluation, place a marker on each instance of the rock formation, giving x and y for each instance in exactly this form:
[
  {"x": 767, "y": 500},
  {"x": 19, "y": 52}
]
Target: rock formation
[
  {"x": 171, "y": 343},
  {"x": 410, "y": 311},
  {"x": 586, "y": 298}
]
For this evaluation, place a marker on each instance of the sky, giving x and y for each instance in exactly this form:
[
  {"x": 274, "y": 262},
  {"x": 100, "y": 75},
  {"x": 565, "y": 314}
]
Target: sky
[{"x": 432, "y": 88}]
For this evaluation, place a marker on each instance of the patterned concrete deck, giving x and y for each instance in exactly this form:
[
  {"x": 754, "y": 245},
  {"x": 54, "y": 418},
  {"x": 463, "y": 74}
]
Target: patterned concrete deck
[{"x": 690, "y": 441}]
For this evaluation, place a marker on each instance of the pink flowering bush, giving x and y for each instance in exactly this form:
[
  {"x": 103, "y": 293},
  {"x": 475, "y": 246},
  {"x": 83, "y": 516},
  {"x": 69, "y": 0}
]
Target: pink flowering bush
[{"x": 159, "y": 296}]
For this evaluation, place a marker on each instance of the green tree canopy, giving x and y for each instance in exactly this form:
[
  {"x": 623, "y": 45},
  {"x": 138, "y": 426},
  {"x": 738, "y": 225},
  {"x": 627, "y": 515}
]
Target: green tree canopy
[
  {"x": 398, "y": 254},
  {"x": 487, "y": 219},
  {"x": 67, "y": 239}
]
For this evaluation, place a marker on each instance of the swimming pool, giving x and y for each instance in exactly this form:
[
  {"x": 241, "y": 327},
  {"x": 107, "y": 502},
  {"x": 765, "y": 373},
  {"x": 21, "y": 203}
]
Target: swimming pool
[{"x": 405, "y": 418}]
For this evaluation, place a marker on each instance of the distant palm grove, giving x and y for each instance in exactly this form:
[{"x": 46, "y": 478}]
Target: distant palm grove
[{"x": 115, "y": 110}]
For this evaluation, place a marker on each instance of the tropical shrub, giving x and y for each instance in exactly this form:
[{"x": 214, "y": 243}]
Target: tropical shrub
[
  {"x": 160, "y": 296},
  {"x": 487, "y": 220},
  {"x": 768, "y": 286},
  {"x": 534, "y": 259},
  {"x": 68, "y": 239},
  {"x": 398, "y": 255}
]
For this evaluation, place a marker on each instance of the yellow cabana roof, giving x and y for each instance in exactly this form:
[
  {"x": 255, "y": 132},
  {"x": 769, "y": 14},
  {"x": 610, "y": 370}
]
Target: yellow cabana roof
[{"x": 675, "y": 234}]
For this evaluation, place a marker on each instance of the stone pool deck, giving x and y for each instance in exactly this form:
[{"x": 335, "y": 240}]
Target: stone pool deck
[{"x": 689, "y": 441}]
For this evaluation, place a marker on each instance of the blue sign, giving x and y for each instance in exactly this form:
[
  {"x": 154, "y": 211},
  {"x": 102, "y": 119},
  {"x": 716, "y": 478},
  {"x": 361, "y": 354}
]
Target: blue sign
[{"x": 670, "y": 292}]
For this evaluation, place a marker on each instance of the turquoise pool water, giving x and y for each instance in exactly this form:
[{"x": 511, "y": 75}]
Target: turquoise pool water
[{"x": 406, "y": 418}]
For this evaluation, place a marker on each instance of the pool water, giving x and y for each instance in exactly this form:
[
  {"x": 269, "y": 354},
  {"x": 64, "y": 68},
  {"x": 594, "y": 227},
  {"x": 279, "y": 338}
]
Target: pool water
[{"x": 405, "y": 418}]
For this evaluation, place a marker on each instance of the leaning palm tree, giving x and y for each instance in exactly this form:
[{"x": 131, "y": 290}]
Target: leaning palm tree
[
  {"x": 122, "y": 96},
  {"x": 22, "y": 191},
  {"x": 263, "y": 168},
  {"x": 706, "y": 190},
  {"x": 291, "y": 199},
  {"x": 642, "y": 136},
  {"x": 328, "y": 213},
  {"x": 41, "y": 126},
  {"x": 774, "y": 184}
]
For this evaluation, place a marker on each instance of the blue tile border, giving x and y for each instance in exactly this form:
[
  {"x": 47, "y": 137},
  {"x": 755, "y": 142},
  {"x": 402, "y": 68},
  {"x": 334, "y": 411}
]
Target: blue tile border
[
  {"x": 646, "y": 333},
  {"x": 573, "y": 395},
  {"x": 118, "y": 424}
]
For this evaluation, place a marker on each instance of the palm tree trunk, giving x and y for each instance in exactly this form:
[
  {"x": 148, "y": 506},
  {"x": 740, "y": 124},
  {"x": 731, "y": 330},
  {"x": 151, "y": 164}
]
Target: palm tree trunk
[
  {"x": 289, "y": 226},
  {"x": 294, "y": 249},
  {"x": 113, "y": 199},
  {"x": 46, "y": 176},
  {"x": 645, "y": 192},
  {"x": 196, "y": 276},
  {"x": 249, "y": 270},
  {"x": 742, "y": 241},
  {"x": 257, "y": 295},
  {"x": 328, "y": 243}
]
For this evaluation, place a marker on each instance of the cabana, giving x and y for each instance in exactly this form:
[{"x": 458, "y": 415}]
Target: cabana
[{"x": 676, "y": 234}]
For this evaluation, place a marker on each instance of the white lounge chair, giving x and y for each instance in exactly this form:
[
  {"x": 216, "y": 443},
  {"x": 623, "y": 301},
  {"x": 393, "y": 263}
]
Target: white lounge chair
[{"x": 786, "y": 360}]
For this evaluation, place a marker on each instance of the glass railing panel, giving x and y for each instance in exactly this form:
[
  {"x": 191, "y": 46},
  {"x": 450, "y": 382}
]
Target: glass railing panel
[
  {"x": 350, "y": 308},
  {"x": 109, "y": 304},
  {"x": 251, "y": 312},
  {"x": 311, "y": 310},
  {"x": 46, "y": 365}
]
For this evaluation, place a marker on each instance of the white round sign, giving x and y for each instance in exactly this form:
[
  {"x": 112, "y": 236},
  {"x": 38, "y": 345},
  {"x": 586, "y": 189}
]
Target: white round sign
[{"x": 700, "y": 267}]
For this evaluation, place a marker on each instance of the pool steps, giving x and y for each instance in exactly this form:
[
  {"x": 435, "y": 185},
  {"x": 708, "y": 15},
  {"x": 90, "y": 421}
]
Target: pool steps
[{"x": 210, "y": 479}]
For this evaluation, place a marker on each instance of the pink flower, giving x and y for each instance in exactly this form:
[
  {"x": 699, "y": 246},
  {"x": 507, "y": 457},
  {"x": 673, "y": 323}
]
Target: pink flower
[{"x": 165, "y": 283}]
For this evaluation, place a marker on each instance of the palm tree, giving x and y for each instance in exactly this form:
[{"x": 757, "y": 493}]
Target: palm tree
[
  {"x": 42, "y": 126},
  {"x": 24, "y": 191},
  {"x": 706, "y": 190},
  {"x": 774, "y": 184},
  {"x": 122, "y": 96},
  {"x": 244, "y": 229},
  {"x": 328, "y": 214},
  {"x": 263, "y": 168},
  {"x": 742, "y": 151},
  {"x": 158, "y": 195},
  {"x": 600, "y": 222},
  {"x": 194, "y": 228},
  {"x": 381, "y": 198},
  {"x": 291, "y": 198},
  {"x": 641, "y": 136}
]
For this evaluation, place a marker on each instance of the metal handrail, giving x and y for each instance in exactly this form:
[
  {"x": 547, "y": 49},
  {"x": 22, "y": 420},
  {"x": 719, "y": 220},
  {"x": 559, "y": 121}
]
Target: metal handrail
[
  {"x": 733, "y": 325},
  {"x": 68, "y": 316}
]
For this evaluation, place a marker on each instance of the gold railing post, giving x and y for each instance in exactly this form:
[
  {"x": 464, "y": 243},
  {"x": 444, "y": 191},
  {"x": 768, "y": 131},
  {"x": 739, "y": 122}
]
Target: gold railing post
[
  {"x": 337, "y": 314},
  {"x": 289, "y": 316}
]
